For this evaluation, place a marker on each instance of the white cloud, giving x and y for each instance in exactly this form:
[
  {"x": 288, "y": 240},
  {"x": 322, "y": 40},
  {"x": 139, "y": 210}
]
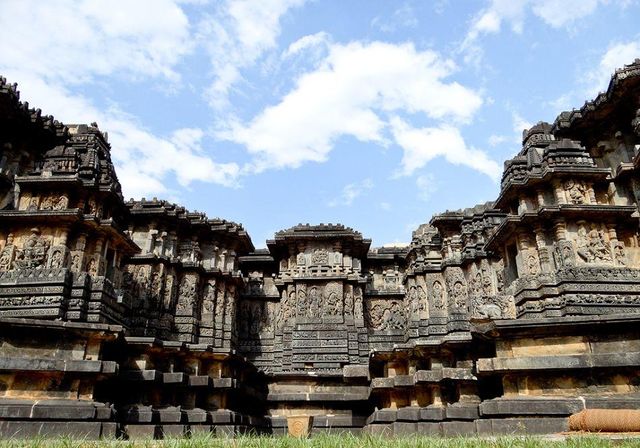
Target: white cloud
[
  {"x": 495, "y": 140},
  {"x": 616, "y": 56},
  {"x": 489, "y": 20},
  {"x": 560, "y": 13},
  {"x": 305, "y": 43},
  {"x": 402, "y": 17},
  {"x": 73, "y": 41},
  {"x": 351, "y": 192},
  {"x": 350, "y": 93},
  {"x": 55, "y": 46},
  {"x": 426, "y": 185},
  {"x": 236, "y": 35},
  {"x": 421, "y": 145},
  {"x": 386, "y": 206},
  {"x": 520, "y": 124}
]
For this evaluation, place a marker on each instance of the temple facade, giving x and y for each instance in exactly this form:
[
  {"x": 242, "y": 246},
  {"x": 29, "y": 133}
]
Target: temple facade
[{"x": 140, "y": 318}]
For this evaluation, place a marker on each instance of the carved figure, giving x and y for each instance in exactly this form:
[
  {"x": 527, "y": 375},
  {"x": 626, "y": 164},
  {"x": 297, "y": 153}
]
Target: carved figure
[
  {"x": 34, "y": 251},
  {"x": 56, "y": 259},
  {"x": 62, "y": 203},
  {"x": 187, "y": 294},
  {"x": 438, "y": 295},
  {"x": 320, "y": 256},
  {"x": 47, "y": 203},
  {"x": 592, "y": 246},
  {"x": 7, "y": 253},
  {"x": 576, "y": 191}
]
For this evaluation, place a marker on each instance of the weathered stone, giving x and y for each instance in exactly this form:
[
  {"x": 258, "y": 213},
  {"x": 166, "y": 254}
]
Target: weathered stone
[{"x": 532, "y": 299}]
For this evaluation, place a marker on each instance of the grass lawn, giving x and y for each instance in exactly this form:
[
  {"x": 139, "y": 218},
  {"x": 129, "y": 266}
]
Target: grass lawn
[{"x": 336, "y": 441}]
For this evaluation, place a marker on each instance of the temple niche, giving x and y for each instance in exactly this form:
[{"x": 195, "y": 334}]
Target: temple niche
[{"x": 141, "y": 318}]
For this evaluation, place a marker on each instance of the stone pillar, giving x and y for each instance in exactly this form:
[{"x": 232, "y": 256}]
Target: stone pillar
[
  {"x": 558, "y": 191},
  {"x": 543, "y": 250}
]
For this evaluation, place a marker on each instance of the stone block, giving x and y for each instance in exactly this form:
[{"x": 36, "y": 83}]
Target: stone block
[
  {"x": 299, "y": 425},
  {"x": 530, "y": 406},
  {"x": 403, "y": 381},
  {"x": 141, "y": 431},
  {"x": 199, "y": 380},
  {"x": 462, "y": 411},
  {"x": 173, "y": 431},
  {"x": 109, "y": 430},
  {"x": 408, "y": 414},
  {"x": 404, "y": 429},
  {"x": 458, "y": 428},
  {"x": 612, "y": 402},
  {"x": 429, "y": 428},
  {"x": 522, "y": 425},
  {"x": 383, "y": 416},
  {"x": 194, "y": 415},
  {"x": 63, "y": 410},
  {"x": 432, "y": 413},
  {"x": 356, "y": 372},
  {"x": 173, "y": 378}
]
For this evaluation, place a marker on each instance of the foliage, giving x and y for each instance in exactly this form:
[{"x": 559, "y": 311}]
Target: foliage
[{"x": 342, "y": 441}]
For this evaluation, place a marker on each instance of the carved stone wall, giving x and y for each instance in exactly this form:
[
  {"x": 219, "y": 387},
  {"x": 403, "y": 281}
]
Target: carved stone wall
[{"x": 178, "y": 322}]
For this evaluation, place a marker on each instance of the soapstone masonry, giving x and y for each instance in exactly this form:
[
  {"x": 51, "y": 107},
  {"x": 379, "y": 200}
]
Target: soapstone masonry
[{"x": 140, "y": 318}]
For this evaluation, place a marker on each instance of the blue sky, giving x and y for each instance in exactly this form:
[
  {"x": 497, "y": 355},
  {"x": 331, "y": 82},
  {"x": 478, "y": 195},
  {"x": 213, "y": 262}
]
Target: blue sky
[{"x": 375, "y": 114}]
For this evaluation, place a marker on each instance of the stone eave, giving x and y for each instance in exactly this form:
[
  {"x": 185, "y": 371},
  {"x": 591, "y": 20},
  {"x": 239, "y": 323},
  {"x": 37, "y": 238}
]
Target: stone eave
[
  {"x": 54, "y": 181},
  {"x": 586, "y": 211},
  {"x": 550, "y": 325},
  {"x": 40, "y": 217},
  {"x": 511, "y": 189},
  {"x": 605, "y": 103}
]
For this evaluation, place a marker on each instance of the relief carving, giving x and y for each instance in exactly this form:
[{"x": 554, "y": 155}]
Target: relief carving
[
  {"x": 320, "y": 256},
  {"x": 209, "y": 297},
  {"x": 385, "y": 315},
  {"x": 333, "y": 305},
  {"x": 438, "y": 299},
  {"x": 576, "y": 192},
  {"x": 33, "y": 254},
  {"x": 564, "y": 254},
  {"x": 187, "y": 294},
  {"x": 456, "y": 288},
  {"x": 592, "y": 245},
  {"x": 7, "y": 254}
]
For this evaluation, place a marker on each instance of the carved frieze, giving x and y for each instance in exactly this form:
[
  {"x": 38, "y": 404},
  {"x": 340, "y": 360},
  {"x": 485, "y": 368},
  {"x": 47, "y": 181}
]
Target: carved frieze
[
  {"x": 592, "y": 245},
  {"x": 34, "y": 251},
  {"x": 385, "y": 314},
  {"x": 187, "y": 294},
  {"x": 7, "y": 254},
  {"x": 457, "y": 290}
]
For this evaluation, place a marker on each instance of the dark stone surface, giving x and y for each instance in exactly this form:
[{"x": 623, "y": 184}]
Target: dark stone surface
[
  {"x": 522, "y": 426},
  {"x": 462, "y": 411},
  {"x": 458, "y": 428},
  {"x": 531, "y": 406},
  {"x": 383, "y": 416},
  {"x": 141, "y": 431},
  {"x": 433, "y": 413}
]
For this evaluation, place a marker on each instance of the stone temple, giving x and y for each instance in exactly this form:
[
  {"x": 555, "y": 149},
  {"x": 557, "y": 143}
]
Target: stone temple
[{"x": 141, "y": 318}]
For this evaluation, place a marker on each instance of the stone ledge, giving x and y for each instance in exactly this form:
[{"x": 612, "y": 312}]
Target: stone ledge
[
  {"x": 560, "y": 362},
  {"x": 76, "y": 430},
  {"x": 531, "y": 406},
  {"x": 57, "y": 365},
  {"x": 522, "y": 426},
  {"x": 17, "y": 409}
]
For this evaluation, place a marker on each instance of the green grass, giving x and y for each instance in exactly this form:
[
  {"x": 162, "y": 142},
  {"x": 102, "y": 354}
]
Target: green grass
[{"x": 327, "y": 441}]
